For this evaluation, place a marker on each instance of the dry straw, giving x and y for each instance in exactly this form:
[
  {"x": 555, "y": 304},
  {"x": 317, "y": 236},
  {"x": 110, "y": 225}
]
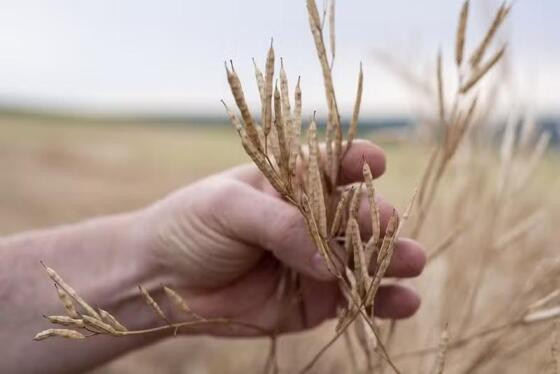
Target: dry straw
[{"x": 331, "y": 212}]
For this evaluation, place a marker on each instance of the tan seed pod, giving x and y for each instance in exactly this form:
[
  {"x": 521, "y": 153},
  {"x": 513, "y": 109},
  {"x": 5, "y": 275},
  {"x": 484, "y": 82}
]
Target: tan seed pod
[
  {"x": 296, "y": 124},
  {"x": 370, "y": 250},
  {"x": 334, "y": 128},
  {"x": 339, "y": 212},
  {"x": 260, "y": 84},
  {"x": 99, "y": 326},
  {"x": 239, "y": 96},
  {"x": 109, "y": 319},
  {"x": 373, "y": 208},
  {"x": 257, "y": 157},
  {"x": 461, "y": 33},
  {"x": 332, "y": 39},
  {"x": 355, "y": 201},
  {"x": 286, "y": 106},
  {"x": 353, "y": 129},
  {"x": 178, "y": 301},
  {"x": 441, "y": 95},
  {"x": 442, "y": 352},
  {"x": 269, "y": 77},
  {"x": 315, "y": 187},
  {"x": 284, "y": 160},
  {"x": 389, "y": 236},
  {"x": 383, "y": 259},
  {"x": 152, "y": 303},
  {"x": 66, "y": 302},
  {"x": 360, "y": 267},
  {"x": 481, "y": 72},
  {"x": 70, "y": 291},
  {"x": 479, "y": 52},
  {"x": 63, "y": 333},
  {"x": 65, "y": 321},
  {"x": 315, "y": 233}
]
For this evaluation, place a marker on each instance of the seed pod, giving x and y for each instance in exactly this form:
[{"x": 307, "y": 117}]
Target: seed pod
[
  {"x": 152, "y": 303},
  {"x": 284, "y": 160},
  {"x": 373, "y": 208},
  {"x": 353, "y": 129},
  {"x": 481, "y": 72},
  {"x": 65, "y": 321},
  {"x": 340, "y": 208},
  {"x": 269, "y": 77},
  {"x": 99, "y": 326},
  {"x": 67, "y": 302},
  {"x": 479, "y": 52},
  {"x": 178, "y": 300},
  {"x": 315, "y": 188},
  {"x": 461, "y": 32},
  {"x": 239, "y": 96},
  {"x": 70, "y": 291},
  {"x": 63, "y": 333},
  {"x": 111, "y": 320},
  {"x": 296, "y": 131},
  {"x": 441, "y": 95},
  {"x": 260, "y": 84}
]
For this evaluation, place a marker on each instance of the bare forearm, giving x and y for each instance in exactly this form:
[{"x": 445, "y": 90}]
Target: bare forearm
[{"x": 103, "y": 259}]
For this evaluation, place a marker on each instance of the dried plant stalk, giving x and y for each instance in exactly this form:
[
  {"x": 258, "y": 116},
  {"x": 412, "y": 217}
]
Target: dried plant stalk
[
  {"x": 353, "y": 129},
  {"x": 481, "y": 72},
  {"x": 461, "y": 33},
  {"x": 479, "y": 52}
]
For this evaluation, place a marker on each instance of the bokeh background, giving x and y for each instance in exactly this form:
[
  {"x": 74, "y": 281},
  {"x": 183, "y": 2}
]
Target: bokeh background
[{"x": 106, "y": 106}]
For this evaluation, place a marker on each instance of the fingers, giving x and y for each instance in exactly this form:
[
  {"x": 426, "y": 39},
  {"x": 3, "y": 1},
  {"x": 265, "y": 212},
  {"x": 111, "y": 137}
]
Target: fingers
[
  {"x": 350, "y": 168},
  {"x": 266, "y": 222},
  {"x": 409, "y": 259},
  {"x": 396, "y": 302},
  {"x": 352, "y": 163}
]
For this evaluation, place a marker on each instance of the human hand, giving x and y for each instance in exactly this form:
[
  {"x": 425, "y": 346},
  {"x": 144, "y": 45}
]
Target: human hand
[{"x": 224, "y": 242}]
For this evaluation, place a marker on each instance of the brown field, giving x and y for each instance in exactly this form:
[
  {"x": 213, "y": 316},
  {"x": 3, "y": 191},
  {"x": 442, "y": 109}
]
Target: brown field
[{"x": 54, "y": 174}]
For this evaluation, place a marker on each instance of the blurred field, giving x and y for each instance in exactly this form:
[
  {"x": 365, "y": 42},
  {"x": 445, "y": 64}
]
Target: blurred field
[{"x": 54, "y": 174}]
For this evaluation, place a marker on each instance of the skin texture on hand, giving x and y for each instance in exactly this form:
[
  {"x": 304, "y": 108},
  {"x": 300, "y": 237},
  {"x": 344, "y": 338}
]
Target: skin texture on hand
[{"x": 223, "y": 243}]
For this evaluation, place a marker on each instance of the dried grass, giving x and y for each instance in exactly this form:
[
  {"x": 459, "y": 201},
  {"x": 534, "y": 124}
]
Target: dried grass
[{"x": 487, "y": 220}]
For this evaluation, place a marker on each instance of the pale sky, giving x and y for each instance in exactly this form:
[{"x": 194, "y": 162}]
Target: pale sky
[{"x": 167, "y": 56}]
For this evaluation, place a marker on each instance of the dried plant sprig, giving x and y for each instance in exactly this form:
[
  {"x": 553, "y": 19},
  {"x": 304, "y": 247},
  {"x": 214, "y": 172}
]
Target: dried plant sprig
[
  {"x": 373, "y": 208},
  {"x": 481, "y": 72},
  {"x": 441, "y": 94},
  {"x": 281, "y": 128},
  {"x": 237, "y": 91},
  {"x": 315, "y": 188},
  {"x": 442, "y": 352},
  {"x": 70, "y": 291},
  {"x": 461, "y": 33},
  {"x": 479, "y": 52},
  {"x": 153, "y": 304},
  {"x": 269, "y": 77},
  {"x": 339, "y": 212},
  {"x": 353, "y": 129}
]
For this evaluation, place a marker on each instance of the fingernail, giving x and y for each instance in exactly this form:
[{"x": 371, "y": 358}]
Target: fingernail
[{"x": 320, "y": 268}]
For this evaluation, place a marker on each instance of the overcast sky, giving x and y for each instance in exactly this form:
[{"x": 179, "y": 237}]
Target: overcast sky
[{"x": 153, "y": 56}]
